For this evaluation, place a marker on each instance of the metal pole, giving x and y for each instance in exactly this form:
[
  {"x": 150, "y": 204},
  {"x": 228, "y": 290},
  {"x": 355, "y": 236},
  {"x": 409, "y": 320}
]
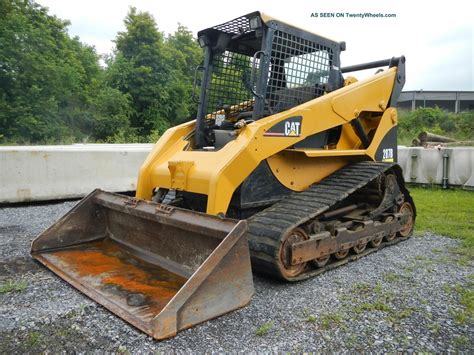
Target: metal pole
[
  {"x": 363, "y": 66},
  {"x": 413, "y": 168},
  {"x": 445, "y": 171},
  {"x": 424, "y": 97},
  {"x": 201, "y": 114}
]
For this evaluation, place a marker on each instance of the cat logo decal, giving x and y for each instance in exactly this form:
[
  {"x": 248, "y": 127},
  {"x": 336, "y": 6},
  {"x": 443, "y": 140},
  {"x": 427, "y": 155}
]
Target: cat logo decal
[{"x": 290, "y": 127}]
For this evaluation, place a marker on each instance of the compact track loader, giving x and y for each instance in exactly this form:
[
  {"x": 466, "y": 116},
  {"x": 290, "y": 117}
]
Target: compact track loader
[{"x": 289, "y": 167}]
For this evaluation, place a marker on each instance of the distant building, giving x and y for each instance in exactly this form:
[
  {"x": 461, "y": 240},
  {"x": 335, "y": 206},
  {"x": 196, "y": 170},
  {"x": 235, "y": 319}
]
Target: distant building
[{"x": 452, "y": 101}]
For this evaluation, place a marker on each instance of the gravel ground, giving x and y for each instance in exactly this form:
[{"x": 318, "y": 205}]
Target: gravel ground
[{"x": 403, "y": 298}]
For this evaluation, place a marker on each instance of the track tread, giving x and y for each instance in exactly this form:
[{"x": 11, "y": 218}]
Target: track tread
[{"x": 300, "y": 207}]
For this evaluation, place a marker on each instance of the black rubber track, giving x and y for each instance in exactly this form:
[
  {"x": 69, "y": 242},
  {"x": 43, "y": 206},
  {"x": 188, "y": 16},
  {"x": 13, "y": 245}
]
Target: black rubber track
[{"x": 267, "y": 228}]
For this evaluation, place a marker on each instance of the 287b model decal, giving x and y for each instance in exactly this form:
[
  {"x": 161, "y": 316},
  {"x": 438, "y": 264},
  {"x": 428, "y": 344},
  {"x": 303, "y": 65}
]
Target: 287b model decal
[
  {"x": 290, "y": 127},
  {"x": 387, "y": 155}
]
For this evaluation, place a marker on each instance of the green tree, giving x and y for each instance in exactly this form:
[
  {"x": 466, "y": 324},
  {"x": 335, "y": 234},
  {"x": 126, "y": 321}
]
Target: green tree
[
  {"x": 184, "y": 55},
  {"x": 53, "y": 90},
  {"x": 111, "y": 113},
  {"x": 139, "y": 69},
  {"x": 44, "y": 76},
  {"x": 458, "y": 126}
]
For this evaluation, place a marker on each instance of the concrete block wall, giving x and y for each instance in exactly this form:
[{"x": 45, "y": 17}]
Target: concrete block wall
[
  {"x": 35, "y": 173},
  {"x": 425, "y": 165}
]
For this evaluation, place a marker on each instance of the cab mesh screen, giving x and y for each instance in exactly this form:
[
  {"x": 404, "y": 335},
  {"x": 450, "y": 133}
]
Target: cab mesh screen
[
  {"x": 298, "y": 73},
  {"x": 230, "y": 85}
]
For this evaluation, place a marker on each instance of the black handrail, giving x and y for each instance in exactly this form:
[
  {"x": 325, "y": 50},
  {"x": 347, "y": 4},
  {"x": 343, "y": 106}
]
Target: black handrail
[{"x": 378, "y": 63}]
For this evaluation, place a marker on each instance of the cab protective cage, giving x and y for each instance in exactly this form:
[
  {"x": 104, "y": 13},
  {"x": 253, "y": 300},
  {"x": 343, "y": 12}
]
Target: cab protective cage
[{"x": 255, "y": 66}]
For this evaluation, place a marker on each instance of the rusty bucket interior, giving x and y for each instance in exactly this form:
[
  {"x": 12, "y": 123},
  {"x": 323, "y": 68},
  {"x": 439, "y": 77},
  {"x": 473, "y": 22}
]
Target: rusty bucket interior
[{"x": 160, "y": 268}]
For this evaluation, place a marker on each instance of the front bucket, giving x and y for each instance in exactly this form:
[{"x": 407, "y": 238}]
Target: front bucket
[{"x": 160, "y": 268}]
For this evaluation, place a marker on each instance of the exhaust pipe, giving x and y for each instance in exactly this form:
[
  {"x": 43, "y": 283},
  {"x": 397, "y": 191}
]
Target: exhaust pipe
[{"x": 160, "y": 268}]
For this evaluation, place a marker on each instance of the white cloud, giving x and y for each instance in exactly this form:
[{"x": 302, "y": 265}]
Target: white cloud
[{"x": 436, "y": 37}]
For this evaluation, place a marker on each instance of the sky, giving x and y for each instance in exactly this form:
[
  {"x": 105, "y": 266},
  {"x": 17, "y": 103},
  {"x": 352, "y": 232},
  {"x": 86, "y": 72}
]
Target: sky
[{"x": 436, "y": 37}]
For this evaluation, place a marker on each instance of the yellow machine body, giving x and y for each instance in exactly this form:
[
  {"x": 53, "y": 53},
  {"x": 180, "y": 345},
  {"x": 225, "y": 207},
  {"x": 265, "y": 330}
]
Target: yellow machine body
[
  {"x": 289, "y": 169},
  {"x": 172, "y": 164}
]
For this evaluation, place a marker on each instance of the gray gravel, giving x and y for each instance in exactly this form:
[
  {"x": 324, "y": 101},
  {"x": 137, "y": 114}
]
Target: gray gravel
[{"x": 403, "y": 298}]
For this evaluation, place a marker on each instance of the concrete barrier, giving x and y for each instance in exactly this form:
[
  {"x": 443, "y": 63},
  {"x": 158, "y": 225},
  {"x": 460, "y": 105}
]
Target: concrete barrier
[
  {"x": 425, "y": 165},
  {"x": 35, "y": 173}
]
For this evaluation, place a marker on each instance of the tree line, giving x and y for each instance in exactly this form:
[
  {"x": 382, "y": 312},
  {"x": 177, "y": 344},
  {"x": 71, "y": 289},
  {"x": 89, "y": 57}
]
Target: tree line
[
  {"x": 459, "y": 126},
  {"x": 56, "y": 89}
]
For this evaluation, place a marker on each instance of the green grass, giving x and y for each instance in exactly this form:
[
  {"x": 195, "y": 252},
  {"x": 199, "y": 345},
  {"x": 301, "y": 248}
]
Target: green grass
[
  {"x": 461, "y": 341},
  {"x": 465, "y": 294},
  {"x": 264, "y": 329},
  {"x": 460, "y": 317},
  {"x": 33, "y": 339},
  {"x": 395, "y": 316},
  {"x": 12, "y": 286},
  {"x": 362, "y": 287},
  {"x": 122, "y": 349},
  {"x": 446, "y": 212},
  {"x": 434, "y": 327},
  {"x": 420, "y": 257},
  {"x": 373, "y": 306},
  {"x": 466, "y": 299},
  {"x": 391, "y": 277},
  {"x": 330, "y": 320}
]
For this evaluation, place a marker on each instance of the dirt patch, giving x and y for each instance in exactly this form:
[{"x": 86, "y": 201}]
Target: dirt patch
[
  {"x": 66, "y": 334},
  {"x": 11, "y": 229},
  {"x": 18, "y": 267}
]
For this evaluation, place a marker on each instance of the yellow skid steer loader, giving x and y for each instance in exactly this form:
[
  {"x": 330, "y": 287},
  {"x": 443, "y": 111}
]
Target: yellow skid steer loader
[{"x": 289, "y": 167}]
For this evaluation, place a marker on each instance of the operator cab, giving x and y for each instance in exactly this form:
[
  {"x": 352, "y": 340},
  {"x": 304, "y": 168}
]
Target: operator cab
[{"x": 256, "y": 66}]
